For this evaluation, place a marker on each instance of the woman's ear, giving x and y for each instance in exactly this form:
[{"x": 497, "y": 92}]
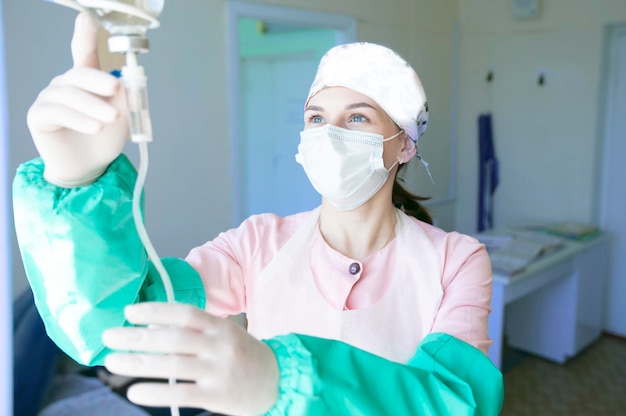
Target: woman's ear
[{"x": 409, "y": 149}]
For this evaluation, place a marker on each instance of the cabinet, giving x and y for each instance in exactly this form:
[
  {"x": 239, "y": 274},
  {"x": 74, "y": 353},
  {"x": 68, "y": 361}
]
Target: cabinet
[{"x": 555, "y": 307}]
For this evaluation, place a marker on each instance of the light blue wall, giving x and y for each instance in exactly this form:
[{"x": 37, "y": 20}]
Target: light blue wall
[{"x": 254, "y": 42}]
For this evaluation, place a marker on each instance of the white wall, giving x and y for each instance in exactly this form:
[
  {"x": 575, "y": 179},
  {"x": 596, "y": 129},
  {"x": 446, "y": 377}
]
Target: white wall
[
  {"x": 546, "y": 137},
  {"x": 188, "y": 187},
  {"x": 30, "y": 62}
]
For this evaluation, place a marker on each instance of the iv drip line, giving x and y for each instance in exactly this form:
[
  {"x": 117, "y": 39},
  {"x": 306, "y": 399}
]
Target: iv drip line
[
  {"x": 138, "y": 128},
  {"x": 143, "y": 235},
  {"x": 129, "y": 39},
  {"x": 141, "y": 229}
]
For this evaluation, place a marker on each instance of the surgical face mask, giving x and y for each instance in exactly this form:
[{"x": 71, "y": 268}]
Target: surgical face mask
[{"x": 345, "y": 166}]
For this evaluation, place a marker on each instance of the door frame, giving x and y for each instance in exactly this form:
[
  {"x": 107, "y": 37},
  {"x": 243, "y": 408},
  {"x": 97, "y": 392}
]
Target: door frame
[
  {"x": 345, "y": 29},
  {"x": 607, "y": 114},
  {"x": 6, "y": 311}
]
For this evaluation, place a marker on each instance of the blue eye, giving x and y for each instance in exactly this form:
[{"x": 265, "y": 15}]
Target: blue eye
[
  {"x": 358, "y": 118},
  {"x": 316, "y": 119}
]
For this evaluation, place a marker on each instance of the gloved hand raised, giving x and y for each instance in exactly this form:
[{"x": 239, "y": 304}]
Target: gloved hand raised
[
  {"x": 220, "y": 366},
  {"x": 79, "y": 122}
]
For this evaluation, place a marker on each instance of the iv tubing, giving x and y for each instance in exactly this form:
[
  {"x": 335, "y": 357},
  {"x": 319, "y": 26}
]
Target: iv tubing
[
  {"x": 141, "y": 229},
  {"x": 131, "y": 60},
  {"x": 143, "y": 235}
]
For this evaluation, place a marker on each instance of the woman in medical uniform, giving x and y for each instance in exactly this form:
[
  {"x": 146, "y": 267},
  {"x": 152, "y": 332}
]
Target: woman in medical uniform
[{"x": 353, "y": 308}]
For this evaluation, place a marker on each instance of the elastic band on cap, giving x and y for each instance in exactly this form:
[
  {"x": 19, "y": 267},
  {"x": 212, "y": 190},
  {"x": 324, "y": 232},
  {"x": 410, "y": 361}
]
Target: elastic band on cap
[{"x": 425, "y": 163}]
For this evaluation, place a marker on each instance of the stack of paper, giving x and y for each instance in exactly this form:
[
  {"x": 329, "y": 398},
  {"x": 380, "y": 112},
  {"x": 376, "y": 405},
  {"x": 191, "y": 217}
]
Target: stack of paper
[
  {"x": 573, "y": 230},
  {"x": 519, "y": 249}
]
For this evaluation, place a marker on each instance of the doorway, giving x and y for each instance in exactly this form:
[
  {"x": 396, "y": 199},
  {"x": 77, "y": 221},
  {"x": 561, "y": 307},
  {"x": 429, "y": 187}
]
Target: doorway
[
  {"x": 272, "y": 182},
  {"x": 273, "y": 56},
  {"x": 613, "y": 171}
]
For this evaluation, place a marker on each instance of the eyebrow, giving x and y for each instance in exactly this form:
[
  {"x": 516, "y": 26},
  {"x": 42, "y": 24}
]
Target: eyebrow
[
  {"x": 348, "y": 107},
  {"x": 359, "y": 105}
]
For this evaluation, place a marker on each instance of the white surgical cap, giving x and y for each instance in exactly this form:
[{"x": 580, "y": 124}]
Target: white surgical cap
[{"x": 382, "y": 75}]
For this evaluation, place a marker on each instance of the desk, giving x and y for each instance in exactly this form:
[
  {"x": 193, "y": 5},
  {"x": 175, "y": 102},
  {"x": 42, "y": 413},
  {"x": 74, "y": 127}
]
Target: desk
[{"x": 555, "y": 306}]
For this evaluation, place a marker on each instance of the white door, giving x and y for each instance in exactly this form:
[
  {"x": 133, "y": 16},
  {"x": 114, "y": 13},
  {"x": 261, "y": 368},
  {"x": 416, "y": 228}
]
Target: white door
[
  {"x": 613, "y": 205},
  {"x": 266, "y": 99},
  {"x": 274, "y": 89}
]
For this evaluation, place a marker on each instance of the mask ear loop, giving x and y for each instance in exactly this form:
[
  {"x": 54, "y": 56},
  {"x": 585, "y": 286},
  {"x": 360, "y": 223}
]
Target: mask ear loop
[
  {"x": 397, "y": 162},
  {"x": 394, "y": 136},
  {"x": 402, "y": 158}
]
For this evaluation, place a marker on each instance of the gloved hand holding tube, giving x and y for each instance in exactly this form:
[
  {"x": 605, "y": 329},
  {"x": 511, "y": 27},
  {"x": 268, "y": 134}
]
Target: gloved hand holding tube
[
  {"x": 79, "y": 122},
  {"x": 226, "y": 369}
]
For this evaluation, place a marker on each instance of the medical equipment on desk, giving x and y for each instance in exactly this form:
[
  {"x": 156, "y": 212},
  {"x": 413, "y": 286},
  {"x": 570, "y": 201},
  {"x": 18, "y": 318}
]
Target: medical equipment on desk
[{"x": 127, "y": 22}]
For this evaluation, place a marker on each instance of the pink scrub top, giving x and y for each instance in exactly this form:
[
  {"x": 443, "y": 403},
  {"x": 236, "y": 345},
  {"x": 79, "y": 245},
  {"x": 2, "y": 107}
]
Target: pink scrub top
[{"x": 286, "y": 278}]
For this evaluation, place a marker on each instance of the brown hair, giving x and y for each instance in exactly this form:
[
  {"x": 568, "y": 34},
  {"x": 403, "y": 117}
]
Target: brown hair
[{"x": 409, "y": 202}]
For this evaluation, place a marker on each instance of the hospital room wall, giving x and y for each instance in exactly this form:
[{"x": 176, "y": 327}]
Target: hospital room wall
[
  {"x": 188, "y": 187},
  {"x": 6, "y": 327},
  {"x": 546, "y": 137}
]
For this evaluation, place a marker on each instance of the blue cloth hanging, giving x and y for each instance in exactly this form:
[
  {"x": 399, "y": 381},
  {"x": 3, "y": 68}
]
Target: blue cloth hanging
[{"x": 488, "y": 172}]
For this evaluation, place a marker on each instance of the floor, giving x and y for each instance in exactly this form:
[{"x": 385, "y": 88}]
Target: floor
[{"x": 592, "y": 383}]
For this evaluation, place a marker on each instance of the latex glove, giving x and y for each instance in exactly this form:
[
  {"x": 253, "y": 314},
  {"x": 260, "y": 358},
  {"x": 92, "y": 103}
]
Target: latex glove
[
  {"x": 79, "y": 122},
  {"x": 229, "y": 370}
]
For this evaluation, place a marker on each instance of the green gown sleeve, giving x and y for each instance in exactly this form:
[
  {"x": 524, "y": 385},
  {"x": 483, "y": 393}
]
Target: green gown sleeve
[
  {"x": 84, "y": 259},
  {"x": 446, "y": 376}
]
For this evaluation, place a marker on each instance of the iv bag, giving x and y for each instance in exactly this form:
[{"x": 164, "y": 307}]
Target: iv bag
[{"x": 120, "y": 17}]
